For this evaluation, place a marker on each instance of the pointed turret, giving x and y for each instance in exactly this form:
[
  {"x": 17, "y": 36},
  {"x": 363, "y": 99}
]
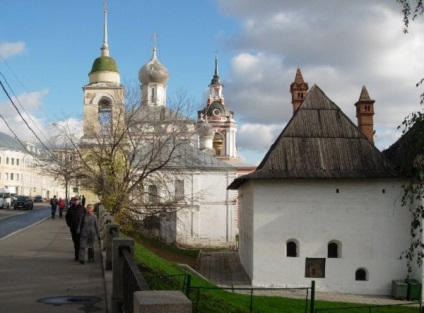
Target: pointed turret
[
  {"x": 298, "y": 89},
  {"x": 105, "y": 46},
  {"x": 216, "y": 86},
  {"x": 104, "y": 69},
  {"x": 221, "y": 120},
  {"x": 365, "y": 114}
]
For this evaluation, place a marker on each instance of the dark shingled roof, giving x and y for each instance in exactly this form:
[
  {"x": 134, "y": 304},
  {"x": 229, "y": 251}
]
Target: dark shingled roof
[
  {"x": 408, "y": 150},
  {"x": 320, "y": 142}
]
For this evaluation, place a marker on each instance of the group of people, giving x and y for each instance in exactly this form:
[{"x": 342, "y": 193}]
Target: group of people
[
  {"x": 55, "y": 204},
  {"x": 82, "y": 223}
]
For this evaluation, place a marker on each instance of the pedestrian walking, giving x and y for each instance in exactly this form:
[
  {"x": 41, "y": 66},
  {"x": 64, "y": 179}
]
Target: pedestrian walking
[
  {"x": 88, "y": 231},
  {"x": 83, "y": 201},
  {"x": 73, "y": 217},
  {"x": 53, "y": 204},
  {"x": 61, "y": 205}
]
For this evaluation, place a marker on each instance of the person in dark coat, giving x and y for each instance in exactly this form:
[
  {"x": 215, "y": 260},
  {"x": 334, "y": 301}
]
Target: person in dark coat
[
  {"x": 88, "y": 231},
  {"x": 73, "y": 217},
  {"x": 83, "y": 201},
  {"x": 53, "y": 204}
]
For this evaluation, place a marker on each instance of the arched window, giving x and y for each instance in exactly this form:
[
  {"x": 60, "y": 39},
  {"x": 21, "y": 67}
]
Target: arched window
[
  {"x": 154, "y": 95},
  {"x": 361, "y": 274},
  {"x": 105, "y": 114},
  {"x": 334, "y": 249},
  {"x": 153, "y": 194},
  {"x": 292, "y": 248},
  {"x": 218, "y": 144}
]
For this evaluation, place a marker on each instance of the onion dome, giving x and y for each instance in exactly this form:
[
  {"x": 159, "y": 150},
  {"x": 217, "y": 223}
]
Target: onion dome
[
  {"x": 153, "y": 72},
  {"x": 204, "y": 129},
  {"x": 104, "y": 63}
]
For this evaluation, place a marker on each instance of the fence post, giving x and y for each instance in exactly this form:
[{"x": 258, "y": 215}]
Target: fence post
[
  {"x": 108, "y": 244},
  {"x": 188, "y": 286},
  {"x": 118, "y": 268},
  {"x": 107, "y": 219},
  {"x": 313, "y": 297}
]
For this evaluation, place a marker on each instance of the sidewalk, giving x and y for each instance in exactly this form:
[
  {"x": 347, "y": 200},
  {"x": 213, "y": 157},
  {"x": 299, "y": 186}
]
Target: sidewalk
[{"x": 38, "y": 273}]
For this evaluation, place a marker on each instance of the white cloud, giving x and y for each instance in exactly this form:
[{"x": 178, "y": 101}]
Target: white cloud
[
  {"x": 339, "y": 45},
  {"x": 24, "y": 124},
  {"x": 258, "y": 136},
  {"x": 10, "y": 49}
]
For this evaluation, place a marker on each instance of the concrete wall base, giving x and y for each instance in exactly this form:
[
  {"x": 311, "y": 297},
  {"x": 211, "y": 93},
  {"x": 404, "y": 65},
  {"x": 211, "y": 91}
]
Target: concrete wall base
[{"x": 161, "y": 302}]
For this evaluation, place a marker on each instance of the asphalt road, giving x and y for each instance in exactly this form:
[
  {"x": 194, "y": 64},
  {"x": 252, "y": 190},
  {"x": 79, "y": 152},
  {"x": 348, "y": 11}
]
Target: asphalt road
[{"x": 12, "y": 221}]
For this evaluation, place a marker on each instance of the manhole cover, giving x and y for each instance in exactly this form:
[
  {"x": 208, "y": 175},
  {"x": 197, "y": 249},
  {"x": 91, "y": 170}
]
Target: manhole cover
[{"x": 86, "y": 300}]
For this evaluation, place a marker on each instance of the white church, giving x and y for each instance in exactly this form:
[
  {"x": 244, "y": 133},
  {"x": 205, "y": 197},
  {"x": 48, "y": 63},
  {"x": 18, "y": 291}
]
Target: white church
[
  {"x": 206, "y": 166},
  {"x": 324, "y": 204}
]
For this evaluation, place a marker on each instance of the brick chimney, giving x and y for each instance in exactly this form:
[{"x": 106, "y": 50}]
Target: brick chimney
[
  {"x": 298, "y": 90},
  {"x": 365, "y": 113}
]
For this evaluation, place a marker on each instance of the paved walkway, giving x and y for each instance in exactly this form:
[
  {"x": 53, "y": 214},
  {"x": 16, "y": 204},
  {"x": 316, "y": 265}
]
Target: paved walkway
[
  {"x": 39, "y": 275},
  {"x": 224, "y": 269}
]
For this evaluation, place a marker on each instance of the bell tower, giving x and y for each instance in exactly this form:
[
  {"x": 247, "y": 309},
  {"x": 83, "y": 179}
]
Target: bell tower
[
  {"x": 223, "y": 127},
  {"x": 298, "y": 90},
  {"x": 104, "y": 94}
]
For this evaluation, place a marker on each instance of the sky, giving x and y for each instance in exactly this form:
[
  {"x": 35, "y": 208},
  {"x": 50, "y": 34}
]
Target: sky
[{"x": 47, "y": 49}]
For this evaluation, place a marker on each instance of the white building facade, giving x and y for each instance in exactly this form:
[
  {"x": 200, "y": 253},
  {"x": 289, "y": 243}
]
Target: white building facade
[
  {"x": 346, "y": 235},
  {"x": 324, "y": 205},
  {"x": 20, "y": 173}
]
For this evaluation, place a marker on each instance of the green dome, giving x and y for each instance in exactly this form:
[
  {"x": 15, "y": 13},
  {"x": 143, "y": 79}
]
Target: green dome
[{"x": 104, "y": 63}]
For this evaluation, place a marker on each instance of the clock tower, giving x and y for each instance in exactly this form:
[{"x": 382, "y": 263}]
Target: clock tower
[{"x": 221, "y": 121}]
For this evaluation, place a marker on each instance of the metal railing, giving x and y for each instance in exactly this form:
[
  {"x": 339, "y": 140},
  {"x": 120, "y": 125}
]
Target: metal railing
[
  {"x": 251, "y": 299},
  {"x": 181, "y": 282},
  {"x": 130, "y": 278},
  {"x": 133, "y": 280}
]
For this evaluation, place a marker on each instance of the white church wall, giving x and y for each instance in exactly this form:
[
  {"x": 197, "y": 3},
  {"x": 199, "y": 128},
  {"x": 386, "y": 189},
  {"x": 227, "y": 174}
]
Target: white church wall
[
  {"x": 365, "y": 216},
  {"x": 209, "y": 220}
]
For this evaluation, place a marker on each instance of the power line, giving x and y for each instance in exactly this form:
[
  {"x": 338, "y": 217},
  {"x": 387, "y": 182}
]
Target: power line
[
  {"x": 36, "y": 102},
  {"x": 23, "y": 119}
]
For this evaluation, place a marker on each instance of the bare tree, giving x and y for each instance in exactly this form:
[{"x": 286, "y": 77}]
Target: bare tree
[
  {"x": 410, "y": 12},
  {"x": 136, "y": 158},
  {"x": 408, "y": 154}
]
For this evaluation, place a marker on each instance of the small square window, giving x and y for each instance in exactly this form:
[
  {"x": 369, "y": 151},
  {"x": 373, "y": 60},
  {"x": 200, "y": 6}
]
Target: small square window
[{"x": 315, "y": 267}]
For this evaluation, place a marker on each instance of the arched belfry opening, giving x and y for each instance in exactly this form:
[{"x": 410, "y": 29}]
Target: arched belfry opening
[
  {"x": 105, "y": 113},
  {"x": 218, "y": 144}
]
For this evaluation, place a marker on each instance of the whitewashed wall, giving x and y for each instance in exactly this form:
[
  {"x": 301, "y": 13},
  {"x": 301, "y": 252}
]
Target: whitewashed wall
[
  {"x": 209, "y": 219},
  {"x": 366, "y": 216}
]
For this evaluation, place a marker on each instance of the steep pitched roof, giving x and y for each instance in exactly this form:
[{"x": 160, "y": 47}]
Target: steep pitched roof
[
  {"x": 320, "y": 141},
  {"x": 408, "y": 150}
]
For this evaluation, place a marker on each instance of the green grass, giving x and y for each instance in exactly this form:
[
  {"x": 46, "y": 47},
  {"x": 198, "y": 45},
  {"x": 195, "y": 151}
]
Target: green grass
[{"x": 220, "y": 301}]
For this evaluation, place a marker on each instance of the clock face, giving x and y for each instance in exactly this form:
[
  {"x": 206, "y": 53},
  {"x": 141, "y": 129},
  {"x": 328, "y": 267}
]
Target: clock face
[{"x": 216, "y": 112}]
